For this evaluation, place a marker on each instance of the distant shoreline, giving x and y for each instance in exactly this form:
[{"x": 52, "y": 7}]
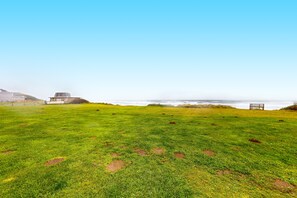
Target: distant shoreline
[{"x": 240, "y": 104}]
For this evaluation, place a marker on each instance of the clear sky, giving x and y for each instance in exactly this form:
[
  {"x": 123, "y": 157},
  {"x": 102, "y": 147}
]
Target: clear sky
[{"x": 150, "y": 49}]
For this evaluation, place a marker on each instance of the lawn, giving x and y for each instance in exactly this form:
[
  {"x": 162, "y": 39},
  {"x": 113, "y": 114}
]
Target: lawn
[{"x": 98, "y": 150}]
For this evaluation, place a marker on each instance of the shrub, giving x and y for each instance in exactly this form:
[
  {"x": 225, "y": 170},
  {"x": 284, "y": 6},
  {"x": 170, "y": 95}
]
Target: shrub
[{"x": 291, "y": 108}]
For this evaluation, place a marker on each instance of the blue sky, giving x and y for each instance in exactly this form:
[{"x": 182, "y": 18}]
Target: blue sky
[{"x": 150, "y": 49}]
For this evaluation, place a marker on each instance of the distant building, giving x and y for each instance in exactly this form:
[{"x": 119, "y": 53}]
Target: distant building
[
  {"x": 6, "y": 96},
  {"x": 65, "y": 98},
  {"x": 60, "y": 97}
]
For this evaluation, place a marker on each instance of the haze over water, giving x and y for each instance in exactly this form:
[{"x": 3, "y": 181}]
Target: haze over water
[{"x": 240, "y": 104}]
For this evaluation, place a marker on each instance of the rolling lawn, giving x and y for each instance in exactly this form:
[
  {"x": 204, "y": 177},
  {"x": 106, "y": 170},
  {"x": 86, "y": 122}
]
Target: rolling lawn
[{"x": 98, "y": 150}]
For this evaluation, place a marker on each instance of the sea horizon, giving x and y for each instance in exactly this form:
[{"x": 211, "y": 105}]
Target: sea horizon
[{"x": 240, "y": 104}]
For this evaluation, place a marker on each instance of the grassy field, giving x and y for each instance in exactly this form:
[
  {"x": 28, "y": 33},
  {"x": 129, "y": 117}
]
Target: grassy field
[{"x": 111, "y": 151}]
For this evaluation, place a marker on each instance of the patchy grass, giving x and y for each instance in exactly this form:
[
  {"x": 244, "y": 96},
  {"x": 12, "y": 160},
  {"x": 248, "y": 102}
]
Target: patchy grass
[{"x": 113, "y": 151}]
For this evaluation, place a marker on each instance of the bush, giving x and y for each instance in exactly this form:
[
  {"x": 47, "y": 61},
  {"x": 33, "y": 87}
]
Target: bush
[
  {"x": 159, "y": 105},
  {"x": 76, "y": 101},
  {"x": 290, "y": 108},
  {"x": 207, "y": 106}
]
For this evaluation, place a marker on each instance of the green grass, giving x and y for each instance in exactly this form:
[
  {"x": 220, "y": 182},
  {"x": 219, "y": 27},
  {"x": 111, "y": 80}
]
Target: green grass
[{"x": 85, "y": 138}]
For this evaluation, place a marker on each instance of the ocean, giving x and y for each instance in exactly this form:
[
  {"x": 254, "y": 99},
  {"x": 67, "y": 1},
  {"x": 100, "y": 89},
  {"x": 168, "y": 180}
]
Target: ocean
[{"x": 240, "y": 104}]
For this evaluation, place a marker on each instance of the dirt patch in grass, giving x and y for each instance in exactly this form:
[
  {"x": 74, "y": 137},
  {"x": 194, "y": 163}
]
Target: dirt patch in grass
[
  {"x": 140, "y": 152},
  {"x": 165, "y": 160},
  {"x": 108, "y": 144},
  {"x": 115, "y": 155},
  {"x": 158, "y": 151},
  {"x": 54, "y": 161},
  {"x": 283, "y": 186},
  {"x": 121, "y": 132},
  {"x": 179, "y": 155},
  {"x": 224, "y": 172},
  {"x": 254, "y": 141},
  {"x": 172, "y": 122},
  {"x": 7, "y": 152},
  {"x": 115, "y": 166},
  {"x": 236, "y": 148},
  {"x": 209, "y": 153}
]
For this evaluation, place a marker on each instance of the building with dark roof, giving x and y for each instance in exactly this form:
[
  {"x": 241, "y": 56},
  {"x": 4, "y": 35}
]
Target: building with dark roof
[{"x": 65, "y": 98}]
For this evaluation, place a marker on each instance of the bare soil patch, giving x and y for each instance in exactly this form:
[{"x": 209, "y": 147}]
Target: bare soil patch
[
  {"x": 236, "y": 148},
  {"x": 254, "y": 141},
  {"x": 123, "y": 147},
  {"x": 224, "y": 172},
  {"x": 172, "y": 122},
  {"x": 140, "y": 152},
  {"x": 54, "y": 161},
  {"x": 158, "y": 151},
  {"x": 115, "y": 155},
  {"x": 209, "y": 153},
  {"x": 7, "y": 152},
  {"x": 179, "y": 155},
  {"x": 282, "y": 185},
  {"x": 115, "y": 166},
  {"x": 108, "y": 144},
  {"x": 164, "y": 161}
]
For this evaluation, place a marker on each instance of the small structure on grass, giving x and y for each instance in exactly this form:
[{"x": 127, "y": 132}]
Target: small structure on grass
[
  {"x": 255, "y": 106},
  {"x": 65, "y": 98}
]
